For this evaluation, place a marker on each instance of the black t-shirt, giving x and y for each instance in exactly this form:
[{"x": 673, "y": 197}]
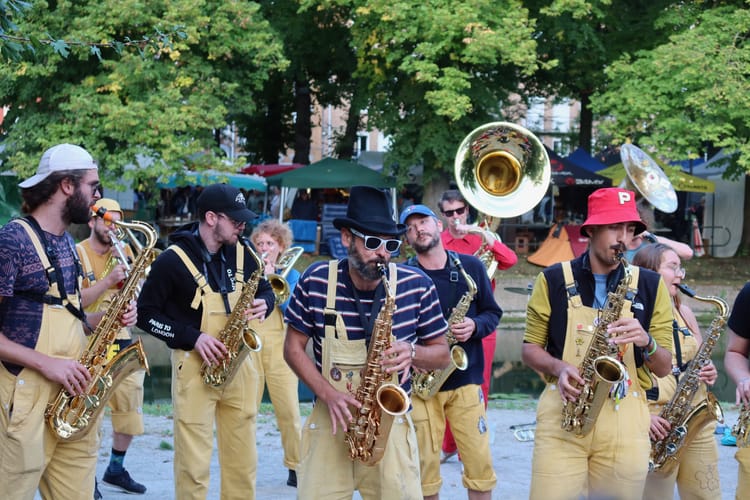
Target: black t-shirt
[{"x": 739, "y": 320}]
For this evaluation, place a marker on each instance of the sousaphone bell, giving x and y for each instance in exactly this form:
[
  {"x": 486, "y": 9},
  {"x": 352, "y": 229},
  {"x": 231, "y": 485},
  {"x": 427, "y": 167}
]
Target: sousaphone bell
[
  {"x": 645, "y": 177},
  {"x": 502, "y": 169}
]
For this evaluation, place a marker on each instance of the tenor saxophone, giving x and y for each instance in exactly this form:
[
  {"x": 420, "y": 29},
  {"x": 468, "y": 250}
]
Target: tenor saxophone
[
  {"x": 71, "y": 417},
  {"x": 381, "y": 401},
  {"x": 600, "y": 369},
  {"x": 426, "y": 384},
  {"x": 686, "y": 420},
  {"x": 741, "y": 430},
  {"x": 236, "y": 334}
]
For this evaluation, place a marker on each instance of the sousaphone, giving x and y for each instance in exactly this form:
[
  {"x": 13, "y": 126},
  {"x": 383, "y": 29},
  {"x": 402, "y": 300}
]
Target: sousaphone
[
  {"x": 645, "y": 177},
  {"x": 502, "y": 169}
]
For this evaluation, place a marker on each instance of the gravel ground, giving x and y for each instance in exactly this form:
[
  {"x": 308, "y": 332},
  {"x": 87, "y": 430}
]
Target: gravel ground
[{"x": 150, "y": 459}]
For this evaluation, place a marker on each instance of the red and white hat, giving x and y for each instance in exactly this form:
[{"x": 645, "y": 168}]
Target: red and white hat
[{"x": 612, "y": 206}]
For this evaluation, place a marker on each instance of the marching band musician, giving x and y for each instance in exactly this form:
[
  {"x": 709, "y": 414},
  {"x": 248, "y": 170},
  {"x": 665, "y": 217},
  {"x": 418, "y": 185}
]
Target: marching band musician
[
  {"x": 460, "y": 400},
  {"x": 337, "y": 305},
  {"x": 103, "y": 271},
  {"x": 456, "y": 237},
  {"x": 697, "y": 474},
  {"x": 736, "y": 364},
  {"x": 562, "y": 315},
  {"x": 272, "y": 238},
  {"x": 42, "y": 325},
  {"x": 186, "y": 300}
]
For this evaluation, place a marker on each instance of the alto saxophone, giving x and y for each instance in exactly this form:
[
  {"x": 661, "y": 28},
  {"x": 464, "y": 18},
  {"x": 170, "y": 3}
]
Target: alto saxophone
[
  {"x": 426, "y": 384},
  {"x": 600, "y": 364},
  {"x": 236, "y": 335},
  {"x": 368, "y": 434},
  {"x": 71, "y": 417},
  {"x": 686, "y": 420},
  {"x": 741, "y": 430}
]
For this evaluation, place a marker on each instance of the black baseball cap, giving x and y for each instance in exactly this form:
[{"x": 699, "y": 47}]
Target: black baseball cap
[{"x": 225, "y": 199}]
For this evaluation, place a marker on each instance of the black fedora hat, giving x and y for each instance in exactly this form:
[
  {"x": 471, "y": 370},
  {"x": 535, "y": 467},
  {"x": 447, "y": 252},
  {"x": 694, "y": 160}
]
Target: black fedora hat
[{"x": 370, "y": 212}]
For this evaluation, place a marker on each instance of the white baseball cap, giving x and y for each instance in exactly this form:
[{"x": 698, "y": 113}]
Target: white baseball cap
[{"x": 59, "y": 158}]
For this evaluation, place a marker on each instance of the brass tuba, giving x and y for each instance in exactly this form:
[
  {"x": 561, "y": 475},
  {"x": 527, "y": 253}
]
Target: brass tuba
[
  {"x": 645, "y": 177},
  {"x": 502, "y": 169},
  {"x": 72, "y": 417},
  {"x": 285, "y": 264}
]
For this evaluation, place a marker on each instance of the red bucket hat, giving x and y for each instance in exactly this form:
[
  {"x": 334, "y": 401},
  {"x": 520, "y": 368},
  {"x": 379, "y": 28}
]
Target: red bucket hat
[{"x": 612, "y": 206}]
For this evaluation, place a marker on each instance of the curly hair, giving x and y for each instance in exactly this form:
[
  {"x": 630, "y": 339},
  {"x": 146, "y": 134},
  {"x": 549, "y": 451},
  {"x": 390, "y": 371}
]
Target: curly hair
[
  {"x": 277, "y": 230},
  {"x": 35, "y": 196}
]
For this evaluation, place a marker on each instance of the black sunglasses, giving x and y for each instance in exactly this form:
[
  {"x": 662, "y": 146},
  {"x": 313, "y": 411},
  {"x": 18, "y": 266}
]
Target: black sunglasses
[
  {"x": 457, "y": 211},
  {"x": 372, "y": 243}
]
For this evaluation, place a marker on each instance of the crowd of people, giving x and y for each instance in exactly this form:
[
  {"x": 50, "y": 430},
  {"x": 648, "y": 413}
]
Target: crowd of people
[{"x": 397, "y": 354}]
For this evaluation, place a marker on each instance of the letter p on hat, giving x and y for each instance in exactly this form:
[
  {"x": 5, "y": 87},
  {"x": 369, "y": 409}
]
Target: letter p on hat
[{"x": 59, "y": 159}]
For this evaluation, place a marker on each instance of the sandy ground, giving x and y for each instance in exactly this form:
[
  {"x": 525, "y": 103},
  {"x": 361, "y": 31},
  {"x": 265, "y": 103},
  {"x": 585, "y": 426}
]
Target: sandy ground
[{"x": 151, "y": 464}]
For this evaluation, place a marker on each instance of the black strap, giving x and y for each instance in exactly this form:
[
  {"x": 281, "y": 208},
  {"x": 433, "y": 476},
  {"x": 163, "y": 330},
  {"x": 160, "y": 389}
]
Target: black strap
[
  {"x": 55, "y": 274},
  {"x": 368, "y": 323},
  {"x": 681, "y": 367},
  {"x": 221, "y": 277},
  {"x": 453, "y": 279}
]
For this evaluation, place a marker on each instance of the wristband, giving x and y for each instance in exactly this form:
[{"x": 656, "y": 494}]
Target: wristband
[
  {"x": 413, "y": 350},
  {"x": 646, "y": 353}
]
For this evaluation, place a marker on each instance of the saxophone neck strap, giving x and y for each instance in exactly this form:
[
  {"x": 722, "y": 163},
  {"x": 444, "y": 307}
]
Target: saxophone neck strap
[{"x": 51, "y": 264}]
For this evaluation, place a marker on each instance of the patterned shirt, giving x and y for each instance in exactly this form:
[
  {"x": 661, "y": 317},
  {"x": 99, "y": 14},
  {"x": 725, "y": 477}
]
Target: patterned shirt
[
  {"x": 418, "y": 313},
  {"x": 21, "y": 270}
]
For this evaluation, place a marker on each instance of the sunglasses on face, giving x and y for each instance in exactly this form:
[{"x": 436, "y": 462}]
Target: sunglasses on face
[
  {"x": 457, "y": 211},
  {"x": 372, "y": 243},
  {"x": 236, "y": 223}
]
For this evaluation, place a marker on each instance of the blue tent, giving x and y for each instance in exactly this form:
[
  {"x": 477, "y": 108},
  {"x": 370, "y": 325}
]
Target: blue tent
[
  {"x": 206, "y": 177},
  {"x": 581, "y": 158}
]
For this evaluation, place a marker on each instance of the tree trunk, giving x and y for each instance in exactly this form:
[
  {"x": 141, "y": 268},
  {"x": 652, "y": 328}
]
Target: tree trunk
[
  {"x": 587, "y": 122},
  {"x": 302, "y": 127},
  {"x": 345, "y": 143}
]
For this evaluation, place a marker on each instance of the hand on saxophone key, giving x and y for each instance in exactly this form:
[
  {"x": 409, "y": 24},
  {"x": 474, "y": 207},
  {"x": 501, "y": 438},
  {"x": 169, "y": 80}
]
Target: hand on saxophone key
[
  {"x": 568, "y": 382},
  {"x": 210, "y": 349},
  {"x": 397, "y": 358},
  {"x": 130, "y": 315},
  {"x": 257, "y": 310},
  {"x": 659, "y": 428},
  {"x": 708, "y": 373},
  {"x": 339, "y": 404},
  {"x": 743, "y": 391},
  {"x": 73, "y": 376},
  {"x": 627, "y": 331},
  {"x": 464, "y": 330}
]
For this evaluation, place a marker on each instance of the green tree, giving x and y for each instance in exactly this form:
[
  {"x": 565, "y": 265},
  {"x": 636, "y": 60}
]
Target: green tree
[
  {"x": 436, "y": 69},
  {"x": 690, "y": 91},
  {"x": 166, "y": 107}
]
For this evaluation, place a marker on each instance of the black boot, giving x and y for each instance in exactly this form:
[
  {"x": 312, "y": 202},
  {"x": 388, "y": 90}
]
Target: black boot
[{"x": 292, "y": 479}]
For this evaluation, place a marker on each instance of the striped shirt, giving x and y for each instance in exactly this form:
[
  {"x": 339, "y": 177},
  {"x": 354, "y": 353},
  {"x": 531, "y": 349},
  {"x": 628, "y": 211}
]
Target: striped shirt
[{"x": 418, "y": 314}]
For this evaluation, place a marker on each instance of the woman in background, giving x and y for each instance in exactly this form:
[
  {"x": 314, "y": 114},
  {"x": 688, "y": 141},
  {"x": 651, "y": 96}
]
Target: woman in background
[
  {"x": 697, "y": 474},
  {"x": 271, "y": 238}
]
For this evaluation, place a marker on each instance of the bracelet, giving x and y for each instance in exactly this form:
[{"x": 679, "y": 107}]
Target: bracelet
[
  {"x": 413, "y": 350},
  {"x": 656, "y": 346}
]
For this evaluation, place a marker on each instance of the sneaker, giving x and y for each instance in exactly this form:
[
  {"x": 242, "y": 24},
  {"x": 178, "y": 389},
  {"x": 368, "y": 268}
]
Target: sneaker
[
  {"x": 447, "y": 456},
  {"x": 292, "y": 479},
  {"x": 123, "y": 481},
  {"x": 97, "y": 493}
]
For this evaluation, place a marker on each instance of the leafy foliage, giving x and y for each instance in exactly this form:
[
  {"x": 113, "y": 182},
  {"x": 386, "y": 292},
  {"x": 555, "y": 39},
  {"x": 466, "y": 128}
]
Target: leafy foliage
[{"x": 689, "y": 91}]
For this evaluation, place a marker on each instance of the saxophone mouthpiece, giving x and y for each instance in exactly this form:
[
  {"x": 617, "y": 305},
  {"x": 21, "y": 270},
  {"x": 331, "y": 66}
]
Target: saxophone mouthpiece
[
  {"x": 101, "y": 212},
  {"x": 686, "y": 290}
]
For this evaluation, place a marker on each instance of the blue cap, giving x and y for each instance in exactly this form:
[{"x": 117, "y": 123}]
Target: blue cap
[{"x": 416, "y": 209}]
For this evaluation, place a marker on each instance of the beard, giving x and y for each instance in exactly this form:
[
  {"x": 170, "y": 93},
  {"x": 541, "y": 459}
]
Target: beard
[
  {"x": 368, "y": 270},
  {"x": 425, "y": 247},
  {"x": 77, "y": 209}
]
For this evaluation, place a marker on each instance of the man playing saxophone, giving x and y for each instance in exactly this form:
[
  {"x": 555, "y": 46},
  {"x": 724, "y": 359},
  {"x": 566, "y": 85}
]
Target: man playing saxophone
[
  {"x": 568, "y": 313},
  {"x": 342, "y": 306},
  {"x": 103, "y": 271},
  {"x": 189, "y": 297},
  {"x": 461, "y": 237},
  {"x": 736, "y": 363},
  {"x": 696, "y": 474},
  {"x": 42, "y": 327},
  {"x": 462, "y": 283}
]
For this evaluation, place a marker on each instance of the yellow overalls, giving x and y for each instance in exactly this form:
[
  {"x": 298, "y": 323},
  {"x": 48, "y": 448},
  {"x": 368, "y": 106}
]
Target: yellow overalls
[
  {"x": 31, "y": 455},
  {"x": 612, "y": 460},
  {"x": 325, "y": 469},
  {"x": 197, "y": 405},
  {"x": 697, "y": 475}
]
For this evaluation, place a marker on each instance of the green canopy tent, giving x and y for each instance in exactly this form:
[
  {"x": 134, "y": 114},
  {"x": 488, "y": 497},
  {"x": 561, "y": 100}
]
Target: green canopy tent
[{"x": 331, "y": 173}]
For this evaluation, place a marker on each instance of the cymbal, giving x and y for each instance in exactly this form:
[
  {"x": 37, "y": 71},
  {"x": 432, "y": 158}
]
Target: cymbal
[{"x": 518, "y": 289}]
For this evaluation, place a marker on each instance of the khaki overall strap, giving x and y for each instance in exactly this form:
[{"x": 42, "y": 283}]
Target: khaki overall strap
[
  {"x": 88, "y": 269},
  {"x": 574, "y": 297},
  {"x": 198, "y": 277},
  {"x": 333, "y": 320}
]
